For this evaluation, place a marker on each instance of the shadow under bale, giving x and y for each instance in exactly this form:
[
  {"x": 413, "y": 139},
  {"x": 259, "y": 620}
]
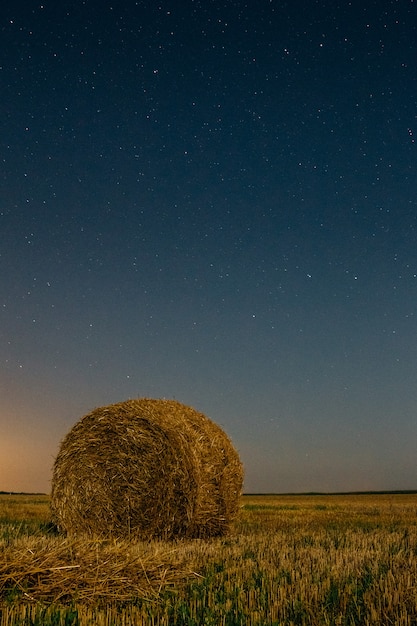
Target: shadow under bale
[{"x": 146, "y": 468}]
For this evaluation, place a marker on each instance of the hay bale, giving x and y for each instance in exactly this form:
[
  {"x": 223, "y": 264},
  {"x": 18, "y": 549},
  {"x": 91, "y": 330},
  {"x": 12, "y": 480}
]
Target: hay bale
[{"x": 146, "y": 468}]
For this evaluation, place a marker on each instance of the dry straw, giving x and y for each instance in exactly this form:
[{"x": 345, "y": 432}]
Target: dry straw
[
  {"x": 146, "y": 468},
  {"x": 44, "y": 569}
]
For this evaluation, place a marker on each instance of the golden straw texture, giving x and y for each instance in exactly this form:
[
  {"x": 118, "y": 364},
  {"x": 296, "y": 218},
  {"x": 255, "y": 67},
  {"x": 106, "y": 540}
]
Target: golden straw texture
[{"x": 146, "y": 468}]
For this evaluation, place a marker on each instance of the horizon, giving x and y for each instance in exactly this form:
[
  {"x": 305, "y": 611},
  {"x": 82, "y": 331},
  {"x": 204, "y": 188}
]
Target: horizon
[{"x": 295, "y": 493}]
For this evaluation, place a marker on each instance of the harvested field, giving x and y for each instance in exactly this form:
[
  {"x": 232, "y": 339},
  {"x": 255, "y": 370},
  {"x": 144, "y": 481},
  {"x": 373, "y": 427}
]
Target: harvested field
[{"x": 308, "y": 560}]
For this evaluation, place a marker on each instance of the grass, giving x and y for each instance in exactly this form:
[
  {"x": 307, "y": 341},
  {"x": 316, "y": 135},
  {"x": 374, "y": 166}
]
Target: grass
[{"x": 336, "y": 560}]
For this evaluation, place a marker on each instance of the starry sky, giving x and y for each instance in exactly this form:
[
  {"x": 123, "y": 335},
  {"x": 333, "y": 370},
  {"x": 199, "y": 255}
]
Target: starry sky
[{"x": 213, "y": 201}]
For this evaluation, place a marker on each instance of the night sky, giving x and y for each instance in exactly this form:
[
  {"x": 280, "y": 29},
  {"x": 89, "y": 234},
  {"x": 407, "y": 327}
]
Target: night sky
[{"x": 213, "y": 201}]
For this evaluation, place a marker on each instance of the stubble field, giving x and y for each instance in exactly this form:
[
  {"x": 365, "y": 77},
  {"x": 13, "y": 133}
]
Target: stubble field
[{"x": 306, "y": 559}]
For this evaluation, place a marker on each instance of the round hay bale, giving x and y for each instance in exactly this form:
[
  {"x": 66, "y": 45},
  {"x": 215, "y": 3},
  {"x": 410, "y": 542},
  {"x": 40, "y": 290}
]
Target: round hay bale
[{"x": 146, "y": 468}]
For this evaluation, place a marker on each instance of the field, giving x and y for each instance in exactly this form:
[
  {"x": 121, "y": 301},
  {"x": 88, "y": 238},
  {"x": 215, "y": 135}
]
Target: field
[{"x": 307, "y": 560}]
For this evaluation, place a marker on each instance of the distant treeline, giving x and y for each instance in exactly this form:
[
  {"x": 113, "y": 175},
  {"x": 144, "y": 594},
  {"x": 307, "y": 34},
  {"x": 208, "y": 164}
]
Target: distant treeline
[
  {"x": 336, "y": 493},
  {"x": 22, "y": 493},
  {"x": 290, "y": 493}
]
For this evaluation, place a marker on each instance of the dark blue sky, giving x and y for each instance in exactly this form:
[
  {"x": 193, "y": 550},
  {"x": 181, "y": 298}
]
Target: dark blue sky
[{"x": 213, "y": 201}]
